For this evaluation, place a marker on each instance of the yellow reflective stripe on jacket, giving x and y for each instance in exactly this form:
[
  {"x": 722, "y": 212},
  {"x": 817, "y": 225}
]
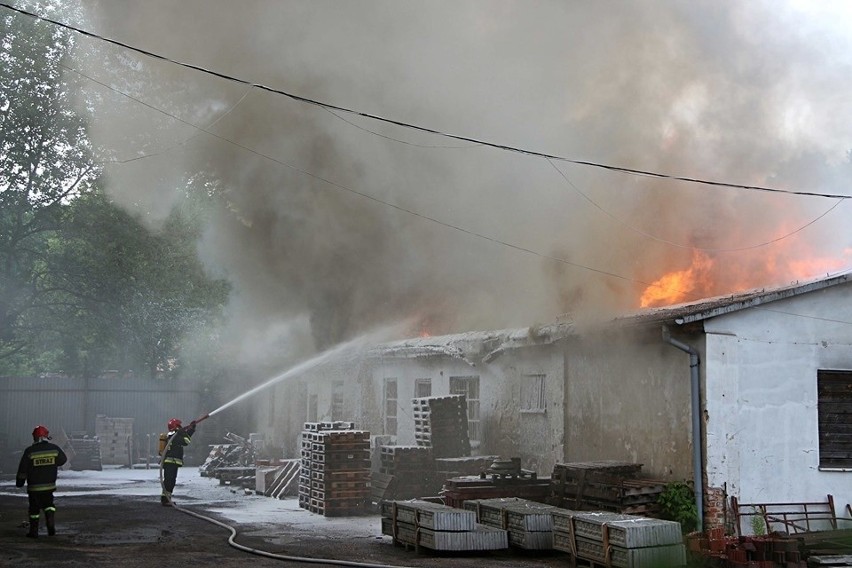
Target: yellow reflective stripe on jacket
[
  {"x": 41, "y": 487},
  {"x": 176, "y": 461},
  {"x": 44, "y": 458}
]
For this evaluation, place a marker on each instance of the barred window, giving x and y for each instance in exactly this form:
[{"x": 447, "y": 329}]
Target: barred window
[{"x": 834, "y": 409}]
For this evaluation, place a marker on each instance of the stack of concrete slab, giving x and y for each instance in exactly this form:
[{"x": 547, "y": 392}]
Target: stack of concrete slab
[
  {"x": 438, "y": 527},
  {"x": 623, "y": 541},
  {"x": 528, "y": 523},
  {"x": 440, "y": 422}
]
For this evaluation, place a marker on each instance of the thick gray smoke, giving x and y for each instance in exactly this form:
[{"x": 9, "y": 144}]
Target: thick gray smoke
[{"x": 751, "y": 93}]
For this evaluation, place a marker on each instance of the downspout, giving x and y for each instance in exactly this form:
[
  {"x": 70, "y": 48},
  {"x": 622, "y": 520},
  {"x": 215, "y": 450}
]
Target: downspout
[{"x": 695, "y": 396}]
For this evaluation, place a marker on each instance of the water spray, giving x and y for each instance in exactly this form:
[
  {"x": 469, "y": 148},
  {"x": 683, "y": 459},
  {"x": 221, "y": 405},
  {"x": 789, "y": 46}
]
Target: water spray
[{"x": 298, "y": 369}]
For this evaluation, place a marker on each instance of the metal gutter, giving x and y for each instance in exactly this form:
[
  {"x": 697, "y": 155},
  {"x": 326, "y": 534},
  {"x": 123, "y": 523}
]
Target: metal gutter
[{"x": 695, "y": 396}]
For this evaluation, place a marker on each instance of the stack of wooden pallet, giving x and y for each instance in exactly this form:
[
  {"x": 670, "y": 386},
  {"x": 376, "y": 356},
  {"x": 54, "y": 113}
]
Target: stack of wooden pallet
[
  {"x": 440, "y": 422},
  {"x": 335, "y": 469},
  {"x": 605, "y": 486},
  {"x": 86, "y": 452},
  {"x": 445, "y": 468},
  {"x": 405, "y": 472},
  {"x": 528, "y": 523},
  {"x": 457, "y": 490},
  {"x": 116, "y": 438},
  {"x": 438, "y": 527},
  {"x": 623, "y": 541}
]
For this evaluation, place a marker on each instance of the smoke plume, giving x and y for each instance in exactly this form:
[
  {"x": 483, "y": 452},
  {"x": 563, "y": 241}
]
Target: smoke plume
[{"x": 350, "y": 222}]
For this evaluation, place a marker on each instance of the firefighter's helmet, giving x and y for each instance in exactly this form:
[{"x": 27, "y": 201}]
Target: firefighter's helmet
[
  {"x": 40, "y": 432},
  {"x": 174, "y": 424}
]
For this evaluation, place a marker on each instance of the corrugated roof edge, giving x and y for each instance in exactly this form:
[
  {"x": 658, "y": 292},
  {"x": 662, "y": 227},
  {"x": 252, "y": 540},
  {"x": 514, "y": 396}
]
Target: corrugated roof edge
[
  {"x": 484, "y": 346},
  {"x": 707, "y": 308}
]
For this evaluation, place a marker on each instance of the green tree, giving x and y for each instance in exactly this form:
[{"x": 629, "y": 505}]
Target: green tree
[
  {"x": 127, "y": 298},
  {"x": 45, "y": 162}
]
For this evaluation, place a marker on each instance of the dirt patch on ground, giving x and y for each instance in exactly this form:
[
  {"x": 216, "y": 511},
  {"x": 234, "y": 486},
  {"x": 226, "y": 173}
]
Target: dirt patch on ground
[{"x": 100, "y": 529}]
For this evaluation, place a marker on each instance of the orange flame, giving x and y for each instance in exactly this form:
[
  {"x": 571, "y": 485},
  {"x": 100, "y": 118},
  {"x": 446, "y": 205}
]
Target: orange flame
[
  {"x": 679, "y": 285},
  {"x": 700, "y": 281}
]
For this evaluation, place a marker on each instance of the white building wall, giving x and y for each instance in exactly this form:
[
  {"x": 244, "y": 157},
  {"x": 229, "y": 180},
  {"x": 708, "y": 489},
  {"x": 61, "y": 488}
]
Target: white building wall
[
  {"x": 761, "y": 397},
  {"x": 536, "y": 437}
]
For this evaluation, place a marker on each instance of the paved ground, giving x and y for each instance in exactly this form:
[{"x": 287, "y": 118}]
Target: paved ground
[{"x": 98, "y": 527}]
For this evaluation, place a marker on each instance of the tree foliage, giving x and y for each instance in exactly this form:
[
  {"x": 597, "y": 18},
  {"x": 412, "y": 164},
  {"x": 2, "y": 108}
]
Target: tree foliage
[
  {"x": 45, "y": 162},
  {"x": 84, "y": 285}
]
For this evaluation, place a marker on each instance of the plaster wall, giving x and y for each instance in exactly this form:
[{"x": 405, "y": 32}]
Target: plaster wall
[
  {"x": 628, "y": 399},
  {"x": 507, "y": 429},
  {"x": 761, "y": 397}
]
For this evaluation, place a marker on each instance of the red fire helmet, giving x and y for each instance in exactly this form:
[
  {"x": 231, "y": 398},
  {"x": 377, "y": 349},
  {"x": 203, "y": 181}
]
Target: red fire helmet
[
  {"x": 174, "y": 424},
  {"x": 40, "y": 432}
]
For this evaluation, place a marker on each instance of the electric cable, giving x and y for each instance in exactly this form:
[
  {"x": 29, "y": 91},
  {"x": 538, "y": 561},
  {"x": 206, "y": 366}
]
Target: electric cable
[
  {"x": 402, "y": 209},
  {"x": 424, "y": 129},
  {"x": 200, "y": 129},
  {"x": 407, "y": 125},
  {"x": 689, "y": 247}
]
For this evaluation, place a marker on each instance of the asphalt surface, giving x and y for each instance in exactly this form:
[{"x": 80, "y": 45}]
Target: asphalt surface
[{"x": 99, "y": 529}]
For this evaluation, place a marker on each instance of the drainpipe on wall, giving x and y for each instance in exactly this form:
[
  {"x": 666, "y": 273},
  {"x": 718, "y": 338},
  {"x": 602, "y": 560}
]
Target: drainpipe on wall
[{"x": 695, "y": 396}]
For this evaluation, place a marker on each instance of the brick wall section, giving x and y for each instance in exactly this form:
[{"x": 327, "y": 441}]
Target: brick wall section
[{"x": 715, "y": 508}]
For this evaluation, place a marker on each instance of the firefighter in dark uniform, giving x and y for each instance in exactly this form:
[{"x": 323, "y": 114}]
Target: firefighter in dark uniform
[
  {"x": 178, "y": 437},
  {"x": 38, "y": 469}
]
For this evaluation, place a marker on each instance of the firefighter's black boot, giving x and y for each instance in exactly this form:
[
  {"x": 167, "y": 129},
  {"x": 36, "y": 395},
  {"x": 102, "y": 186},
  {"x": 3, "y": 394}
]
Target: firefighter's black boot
[
  {"x": 49, "y": 520},
  {"x": 33, "y": 528}
]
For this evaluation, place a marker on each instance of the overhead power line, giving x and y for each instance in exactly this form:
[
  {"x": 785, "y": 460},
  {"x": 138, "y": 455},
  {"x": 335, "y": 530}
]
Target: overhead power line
[{"x": 505, "y": 147}]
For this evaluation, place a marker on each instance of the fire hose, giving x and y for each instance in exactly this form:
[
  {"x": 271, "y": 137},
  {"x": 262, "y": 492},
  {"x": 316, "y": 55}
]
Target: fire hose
[{"x": 231, "y": 539}]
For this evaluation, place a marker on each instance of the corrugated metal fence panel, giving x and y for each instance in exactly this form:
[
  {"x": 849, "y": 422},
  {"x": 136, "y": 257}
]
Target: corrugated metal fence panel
[{"x": 73, "y": 404}]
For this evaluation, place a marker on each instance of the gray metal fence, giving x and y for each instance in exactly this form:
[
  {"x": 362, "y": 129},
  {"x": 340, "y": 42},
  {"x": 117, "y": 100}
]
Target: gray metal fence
[{"x": 74, "y": 404}]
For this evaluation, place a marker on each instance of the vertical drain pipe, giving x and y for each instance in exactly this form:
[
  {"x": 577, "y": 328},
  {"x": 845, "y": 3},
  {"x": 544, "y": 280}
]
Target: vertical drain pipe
[{"x": 696, "y": 421}]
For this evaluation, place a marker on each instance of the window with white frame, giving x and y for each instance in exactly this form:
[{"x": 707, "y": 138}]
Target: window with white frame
[
  {"x": 391, "y": 404},
  {"x": 469, "y": 386},
  {"x": 422, "y": 388},
  {"x": 533, "y": 393},
  {"x": 834, "y": 409}
]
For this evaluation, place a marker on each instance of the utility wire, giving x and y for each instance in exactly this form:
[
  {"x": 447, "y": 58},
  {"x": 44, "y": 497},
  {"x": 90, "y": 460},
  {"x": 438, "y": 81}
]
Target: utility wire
[
  {"x": 348, "y": 189},
  {"x": 328, "y": 106},
  {"x": 397, "y": 207},
  {"x": 199, "y": 129},
  {"x": 679, "y": 245}
]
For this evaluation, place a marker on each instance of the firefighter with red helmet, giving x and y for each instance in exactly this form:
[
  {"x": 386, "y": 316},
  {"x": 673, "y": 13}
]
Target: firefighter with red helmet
[
  {"x": 38, "y": 469},
  {"x": 177, "y": 438}
]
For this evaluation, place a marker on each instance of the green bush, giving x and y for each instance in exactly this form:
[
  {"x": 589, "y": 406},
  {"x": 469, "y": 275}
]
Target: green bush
[{"x": 678, "y": 504}]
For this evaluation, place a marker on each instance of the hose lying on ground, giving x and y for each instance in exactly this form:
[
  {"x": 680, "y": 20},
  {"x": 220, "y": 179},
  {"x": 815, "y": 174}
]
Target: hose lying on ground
[{"x": 233, "y": 543}]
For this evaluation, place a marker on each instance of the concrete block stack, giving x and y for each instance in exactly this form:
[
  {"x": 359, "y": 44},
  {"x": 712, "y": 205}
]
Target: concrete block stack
[
  {"x": 116, "y": 439},
  {"x": 334, "y": 479},
  {"x": 440, "y": 422},
  {"x": 622, "y": 541},
  {"x": 438, "y": 527},
  {"x": 529, "y": 524}
]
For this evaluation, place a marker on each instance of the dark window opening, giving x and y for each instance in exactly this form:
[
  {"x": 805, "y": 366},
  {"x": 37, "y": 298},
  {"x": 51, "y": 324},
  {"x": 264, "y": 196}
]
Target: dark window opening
[{"x": 834, "y": 408}]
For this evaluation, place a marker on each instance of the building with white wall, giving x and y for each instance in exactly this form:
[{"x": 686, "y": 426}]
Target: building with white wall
[{"x": 747, "y": 396}]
